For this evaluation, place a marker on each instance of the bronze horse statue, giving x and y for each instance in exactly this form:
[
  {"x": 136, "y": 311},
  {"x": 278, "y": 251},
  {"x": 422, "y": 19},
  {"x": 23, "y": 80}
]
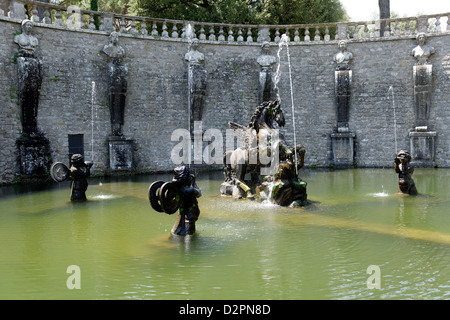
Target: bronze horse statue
[{"x": 260, "y": 138}]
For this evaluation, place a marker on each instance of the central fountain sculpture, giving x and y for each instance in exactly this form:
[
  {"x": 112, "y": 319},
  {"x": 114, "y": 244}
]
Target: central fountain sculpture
[
  {"x": 179, "y": 194},
  {"x": 120, "y": 148},
  {"x": 342, "y": 140},
  {"x": 34, "y": 147},
  {"x": 275, "y": 180},
  {"x": 422, "y": 139}
]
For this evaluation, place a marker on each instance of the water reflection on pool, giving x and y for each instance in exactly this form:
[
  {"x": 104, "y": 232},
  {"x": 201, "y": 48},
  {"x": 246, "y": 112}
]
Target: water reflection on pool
[{"x": 242, "y": 249}]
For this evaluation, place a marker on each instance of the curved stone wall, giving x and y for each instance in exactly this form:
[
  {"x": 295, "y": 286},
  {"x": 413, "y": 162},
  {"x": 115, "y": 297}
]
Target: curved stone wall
[{"x": 157, "y": 97}]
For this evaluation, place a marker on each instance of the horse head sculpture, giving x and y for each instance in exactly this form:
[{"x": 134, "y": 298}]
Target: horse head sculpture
[{"x": 265, "y": 114}]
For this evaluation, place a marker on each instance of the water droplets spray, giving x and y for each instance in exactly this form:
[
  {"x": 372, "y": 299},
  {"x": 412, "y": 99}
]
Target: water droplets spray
[
  {"x": 285, "y": 42},
  {"x": 92, "y": 118},
  {"x": 391, "y": 91}
]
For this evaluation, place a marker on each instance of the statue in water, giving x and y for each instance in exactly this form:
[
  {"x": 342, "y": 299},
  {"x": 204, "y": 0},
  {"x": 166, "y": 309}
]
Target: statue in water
[
  {"x": 405, "y": 170},
  {"x": 79, "y": 172},
  {"x": 265, "y": 157},
  {"x": 179, "y": 194},
  {"x": 285, "y": 188}
]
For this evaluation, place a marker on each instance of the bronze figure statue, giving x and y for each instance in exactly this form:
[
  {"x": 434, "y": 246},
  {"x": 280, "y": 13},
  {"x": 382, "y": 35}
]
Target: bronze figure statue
[
  {"x": 79, "y": 172},
  {"x": 179, "y": 194},
  {"x": 405, "y": 170}
]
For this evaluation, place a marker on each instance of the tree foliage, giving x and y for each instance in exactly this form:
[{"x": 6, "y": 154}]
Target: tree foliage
[
  {"x": 301, "y": 11},
  {"x": 116, "y": 6},
  {"x": 230, "y": 11},
  {"x": 226, "y": 11}
]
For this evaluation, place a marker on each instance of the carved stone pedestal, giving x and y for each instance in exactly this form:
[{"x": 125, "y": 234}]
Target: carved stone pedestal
[
  {"x": 343, "y": 148},
  {"x": 34, "y": 156},
  {"x": 120, "y": 153},
  {"x": 422, "y": 146}
]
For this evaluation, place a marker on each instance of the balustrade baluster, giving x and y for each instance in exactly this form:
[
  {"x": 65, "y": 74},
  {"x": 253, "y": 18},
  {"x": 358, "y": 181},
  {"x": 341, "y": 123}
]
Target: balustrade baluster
[
  {"x": 327, "y": 34},
  {"x": 101, "y": 25},
  {"x": 230, "y": 34},
  {"x": 133, "y": 29},
  {"x": 174, "y": 31},
  {"x": 34, "y": 14},
  {"x": 249, "y": 35},
  {"x": 165, "y": 33},
  {"x": 154, "y": 29},
  {"x": 366, "y": 33},
  {"x": 387, "y": 33},
  {"x": 396, "y": 28},
  {"x": 202, "y": 35},
  {"x": 91, "y": 22},
  {"x": 221, "y": 36},
  {"x": 123, "y": 24},
  {"x": 438, "y": 25},
  {"x": 407, "y": 28},
  {"x": 415, "y": 27},
  {"x": 277, "y": 35},
  {"x": 144, "y": 30},
  {"x": 355, "y": 32},
  {"x": 47, "y": 15},
  {"x": 430, "y": 25},
  {"x": 317, "y": 34},
  {"x": 307, "y": 38},
  {"x": 296, "y": 35},
  {"x": 212, "y": 34},
  {"x": 240, "y": 38}
]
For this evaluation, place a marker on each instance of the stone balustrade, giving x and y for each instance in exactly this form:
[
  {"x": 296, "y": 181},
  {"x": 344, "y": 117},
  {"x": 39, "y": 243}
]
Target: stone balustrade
[{"x": 76, "y": 18}]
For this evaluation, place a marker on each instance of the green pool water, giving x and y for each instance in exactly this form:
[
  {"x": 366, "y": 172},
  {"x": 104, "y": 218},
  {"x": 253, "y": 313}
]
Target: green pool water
[{"x": 242, "y": 249}]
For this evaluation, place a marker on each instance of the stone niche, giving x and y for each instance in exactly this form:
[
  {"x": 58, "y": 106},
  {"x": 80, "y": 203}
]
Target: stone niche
[
  {"x": 343, "y": 140},
  {"x": 33, "y": 147},
  {"x": 343, "y": 148},
  {"x": 422, "y": 146},
  {"x": 120, "y": 151},
  {"x": 34, "y": 156},
  {"x": 421, "y": 138}
]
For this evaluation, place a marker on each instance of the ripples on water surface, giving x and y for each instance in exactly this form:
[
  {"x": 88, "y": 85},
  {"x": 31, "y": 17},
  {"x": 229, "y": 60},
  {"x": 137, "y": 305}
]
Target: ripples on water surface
[{"x": 242, "y": 249}]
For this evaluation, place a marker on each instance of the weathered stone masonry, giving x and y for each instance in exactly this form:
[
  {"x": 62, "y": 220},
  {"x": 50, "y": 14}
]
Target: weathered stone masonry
[{"x": 157, "y": 97}]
